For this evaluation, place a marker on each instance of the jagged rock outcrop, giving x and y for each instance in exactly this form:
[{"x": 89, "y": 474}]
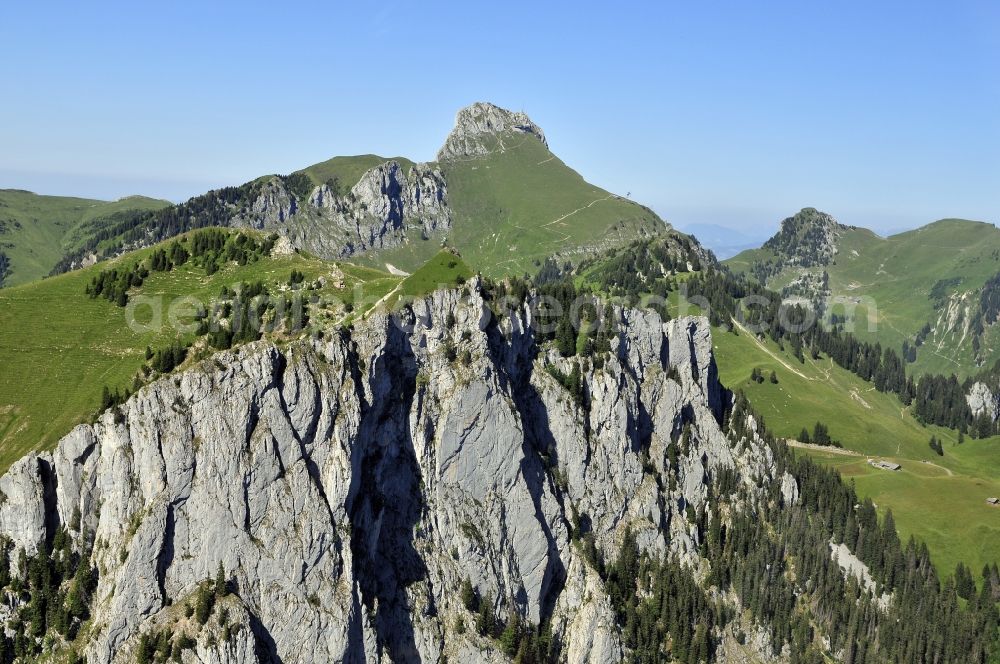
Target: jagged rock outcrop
[
  {"x": 24, "y": 509},
  {"x": 385, "y": 208},
  {"x": 807, "y": 239},
  {"x": 349, "y": 485},
  {"x": 481, "y": 128},
  {"x": 227, "y": 639},
  {"x": 982, "y": 401},
  {"x": 272, "y": 206},
  {"x": 585, "y": 617}
]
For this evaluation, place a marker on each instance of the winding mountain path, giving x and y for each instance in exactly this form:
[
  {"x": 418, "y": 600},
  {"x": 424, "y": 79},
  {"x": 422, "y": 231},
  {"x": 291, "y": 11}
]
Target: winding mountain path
[
  {"x": 570, "y": 214},
  {"x": 791, "y": 442},
  {"x": 774, "y": 356}
]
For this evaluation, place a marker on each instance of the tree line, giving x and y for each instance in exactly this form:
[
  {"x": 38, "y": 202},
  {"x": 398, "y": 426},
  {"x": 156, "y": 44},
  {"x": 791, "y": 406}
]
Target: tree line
[
  {"x": 518, "y": 639},
  {"x": 911, "y": 615},
  {"x": 111, "y": 234},
  {"x": 645, "y": 266},
  {"x": 208, "y": 249},
  {"x": 4, "y": 267},
  {"x": 51, "y": 592}
]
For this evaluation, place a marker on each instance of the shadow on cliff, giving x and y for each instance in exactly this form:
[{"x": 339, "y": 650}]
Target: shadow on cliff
[
  {"x": 514, "y": 370},
  {"x": 388, "y": 502}
]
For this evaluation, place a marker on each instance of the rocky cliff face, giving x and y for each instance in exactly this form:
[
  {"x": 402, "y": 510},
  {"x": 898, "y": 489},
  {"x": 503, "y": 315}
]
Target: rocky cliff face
[
  {"x": 982, "y": 401},
  {"x": 348, "y": 486},
  {"x": 481, "y": 128},
  {"x": 385, "y": 208}
]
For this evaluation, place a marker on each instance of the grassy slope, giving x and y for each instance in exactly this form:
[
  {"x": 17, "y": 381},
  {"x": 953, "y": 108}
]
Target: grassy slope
[
  {"x": 741, "y": 262},
  {"x": 408, "y": 257},
  {"x": 898, "y": 273},
  {"x": 947, "y": 511},
  {"x": 48, "y": 225},
  {"x": 443, "y": 269},
  {"x": 58, "y": 347},
  {"x": 521, "y": 204}
]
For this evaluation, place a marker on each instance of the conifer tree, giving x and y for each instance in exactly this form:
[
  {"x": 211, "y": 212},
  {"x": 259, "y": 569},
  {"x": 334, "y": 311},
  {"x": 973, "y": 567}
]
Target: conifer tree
[
  {"x": 221, "y": 587},
  {"x": 204, "y": 603},
  {"x": 565, "y": 337}
]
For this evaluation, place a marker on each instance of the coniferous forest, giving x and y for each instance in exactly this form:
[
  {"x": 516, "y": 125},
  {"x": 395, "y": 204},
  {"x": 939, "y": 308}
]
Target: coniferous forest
[
  {"x": 121, "y": 231},
  {"x": 778, "y": 563}
]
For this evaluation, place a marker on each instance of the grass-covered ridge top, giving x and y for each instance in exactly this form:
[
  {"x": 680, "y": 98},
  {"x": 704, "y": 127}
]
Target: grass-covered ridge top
[{"x": 344, "y": 172}]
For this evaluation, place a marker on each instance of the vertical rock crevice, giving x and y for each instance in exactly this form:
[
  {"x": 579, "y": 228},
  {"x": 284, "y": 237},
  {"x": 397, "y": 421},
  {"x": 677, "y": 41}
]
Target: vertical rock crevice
[{"x": 388, "y": 505}]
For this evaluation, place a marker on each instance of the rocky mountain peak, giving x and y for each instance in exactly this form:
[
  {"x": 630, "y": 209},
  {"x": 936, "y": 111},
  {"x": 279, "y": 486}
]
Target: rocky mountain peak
[
  {"x": 480, "y": 129},
  {"x": 809, "y": 238}
]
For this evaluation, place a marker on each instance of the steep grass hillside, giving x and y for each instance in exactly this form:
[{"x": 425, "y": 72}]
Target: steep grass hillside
[
  {"x": 36, "y": 231},
  {"x": 521, "y": 203}
]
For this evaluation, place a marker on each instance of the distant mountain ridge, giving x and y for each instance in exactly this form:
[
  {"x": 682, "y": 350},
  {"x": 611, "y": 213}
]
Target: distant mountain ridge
[
  {"x": 36, "y": 230},
  {"x": 496, "y": 193},
  {"x": 927, "y": 292}
]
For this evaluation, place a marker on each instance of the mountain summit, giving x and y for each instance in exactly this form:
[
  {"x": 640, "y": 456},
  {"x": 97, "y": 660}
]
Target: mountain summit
[
  {"x": 808, "y": 239},
  {"x": 496, "y": 194},
  {"x": 481, "y": 128}
]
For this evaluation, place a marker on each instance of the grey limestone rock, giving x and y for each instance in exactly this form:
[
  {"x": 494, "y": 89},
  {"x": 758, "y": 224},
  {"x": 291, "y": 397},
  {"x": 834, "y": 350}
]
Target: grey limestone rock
[
  {"x": 385, "y": 208},
  {"x": 348, "y": 486},
  {"x": 480, "y": 129},
  {"x": 982, "y": 401}
]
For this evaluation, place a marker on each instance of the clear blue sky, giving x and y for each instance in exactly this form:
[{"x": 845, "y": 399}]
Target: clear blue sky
[{"x": 884, "y": 114}]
